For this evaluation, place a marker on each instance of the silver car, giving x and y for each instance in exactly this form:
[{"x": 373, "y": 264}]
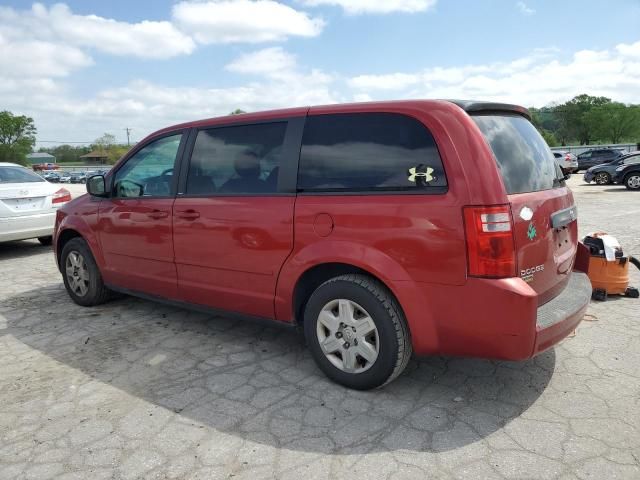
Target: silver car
[{"x": 567, "y": 161}]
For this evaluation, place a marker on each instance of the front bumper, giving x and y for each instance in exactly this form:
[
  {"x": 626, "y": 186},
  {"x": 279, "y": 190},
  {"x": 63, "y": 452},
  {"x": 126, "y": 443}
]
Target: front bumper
[{"x": 27, "y": 226}]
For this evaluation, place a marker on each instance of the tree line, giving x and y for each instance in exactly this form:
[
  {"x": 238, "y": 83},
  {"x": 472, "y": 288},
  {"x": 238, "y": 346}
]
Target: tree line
[{"x": 587, "y": 120}]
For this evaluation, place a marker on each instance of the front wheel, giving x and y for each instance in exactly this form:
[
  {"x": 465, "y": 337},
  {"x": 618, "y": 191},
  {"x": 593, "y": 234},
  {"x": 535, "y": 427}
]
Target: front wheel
[
  {"x": 602, "y": 178},
  {"x": 632, "y": 181},
  {"x": 81, "y": 275},
  {"x": 357, "y": 332}
]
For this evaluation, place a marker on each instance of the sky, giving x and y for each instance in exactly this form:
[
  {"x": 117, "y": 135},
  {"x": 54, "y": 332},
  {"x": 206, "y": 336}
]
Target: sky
[{"x": 87, "y": 67}]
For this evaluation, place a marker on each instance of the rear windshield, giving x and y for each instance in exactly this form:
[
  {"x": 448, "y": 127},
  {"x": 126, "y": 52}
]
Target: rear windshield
[
  {"x": 524, "y": 158},
  {"x": 18, "y": 175}
]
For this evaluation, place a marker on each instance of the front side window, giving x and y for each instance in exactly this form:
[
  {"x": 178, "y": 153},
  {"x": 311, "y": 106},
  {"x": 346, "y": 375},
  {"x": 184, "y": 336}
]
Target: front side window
[
  {"x": 149, "y": 172},
  {"x": 632, "y": 160},
  {"x": 242, "y": 160},
  {"x": 369, "y": 152}
]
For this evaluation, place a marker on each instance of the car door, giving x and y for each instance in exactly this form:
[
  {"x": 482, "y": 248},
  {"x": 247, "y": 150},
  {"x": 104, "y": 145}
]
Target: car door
[
  {"x": 135, "y": 229},
  {"x": 233, "y": 216}
]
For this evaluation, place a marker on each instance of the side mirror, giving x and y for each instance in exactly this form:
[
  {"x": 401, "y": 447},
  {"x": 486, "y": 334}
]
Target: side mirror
[{"x": 96, "y": 186}]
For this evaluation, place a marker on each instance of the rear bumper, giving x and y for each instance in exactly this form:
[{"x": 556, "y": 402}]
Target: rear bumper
[
  {"x": 28, "y": 226},
  {"x": 495, "y": 318},
  {"x": 560, "y": 316}
]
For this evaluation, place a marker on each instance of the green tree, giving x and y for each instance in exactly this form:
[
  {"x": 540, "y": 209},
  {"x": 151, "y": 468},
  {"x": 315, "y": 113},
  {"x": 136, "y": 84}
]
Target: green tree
[
  {"x": 17, "y": 137},
  {"x": 237, "y": 111},
  {"x": 616, "y": 121},
  {"x": 576, "y": 117}
]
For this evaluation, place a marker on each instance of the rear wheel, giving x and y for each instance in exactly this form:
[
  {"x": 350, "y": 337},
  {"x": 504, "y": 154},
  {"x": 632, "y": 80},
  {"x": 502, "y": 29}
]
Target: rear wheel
[
  {"x": 356, "y": 332},
  {"x": 602, "y": 178},
  {"x": 632, "y": 181},
  {"x": 46, "y": 240},
  {"x": 81, "y": 275}
]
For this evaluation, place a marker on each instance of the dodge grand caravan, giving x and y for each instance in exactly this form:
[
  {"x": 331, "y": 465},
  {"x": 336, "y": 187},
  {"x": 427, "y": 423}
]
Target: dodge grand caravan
[{"x": 381, "y": 229}]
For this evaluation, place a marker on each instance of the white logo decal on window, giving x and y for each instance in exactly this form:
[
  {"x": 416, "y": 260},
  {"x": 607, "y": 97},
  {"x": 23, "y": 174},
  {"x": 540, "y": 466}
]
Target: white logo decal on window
[{"x": 424, "y": 176}]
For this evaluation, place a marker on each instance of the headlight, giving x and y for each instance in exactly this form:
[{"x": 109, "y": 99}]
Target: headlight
[{"x": 620, "y": 168}]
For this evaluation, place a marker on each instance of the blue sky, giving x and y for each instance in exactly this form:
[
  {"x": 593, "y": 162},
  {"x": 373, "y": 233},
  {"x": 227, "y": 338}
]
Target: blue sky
[{"x": 83, "y": 67}]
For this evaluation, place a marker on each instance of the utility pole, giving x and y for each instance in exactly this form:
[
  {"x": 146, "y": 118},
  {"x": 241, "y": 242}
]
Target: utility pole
[{"x": 128, "y": 130}]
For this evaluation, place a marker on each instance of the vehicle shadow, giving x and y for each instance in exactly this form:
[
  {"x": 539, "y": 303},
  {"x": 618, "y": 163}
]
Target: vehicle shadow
[
  {"x": 21, "y": 248},
  {"x": 259, "y": 383}
]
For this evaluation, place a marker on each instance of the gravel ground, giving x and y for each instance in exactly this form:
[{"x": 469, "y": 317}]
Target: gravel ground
[{"x": 134, "y": 389}]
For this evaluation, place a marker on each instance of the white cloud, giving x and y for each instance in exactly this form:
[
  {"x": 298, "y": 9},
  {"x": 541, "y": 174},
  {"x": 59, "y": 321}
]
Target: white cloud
[
  {"x": 268, "y": 61},
  {"x": 355, "y": 7},
  {"x": 537, "y": 79},
  {"x": 249, "y": 21},
  {"x": 525, "y": 9},
  {"x": 58, "y": 24}
]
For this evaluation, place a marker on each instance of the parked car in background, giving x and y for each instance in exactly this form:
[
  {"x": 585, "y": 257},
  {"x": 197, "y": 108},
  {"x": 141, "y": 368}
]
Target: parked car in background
[
  {"x": 28, "y": 204},
  {"x": 52, "y": 177},
  {"x": 603, "y": 174},
  {"x": 65, "y": 177},
  {"x": 567, "y": 161},
  {"x": 628, "y": 175},
  {"x": 78, "y": 177},
  {"x": 397, "y": 246},
  {"x": 597, "y": 156}
]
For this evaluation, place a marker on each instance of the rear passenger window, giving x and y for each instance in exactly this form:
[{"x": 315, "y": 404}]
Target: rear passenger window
[
  {"x": 369, "y": 152},
  {"x": 243, "y": 159}
]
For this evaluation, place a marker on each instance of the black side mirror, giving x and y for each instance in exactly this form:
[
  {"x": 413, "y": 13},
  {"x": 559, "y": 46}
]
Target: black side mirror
[{"x": 96, "y": 186}]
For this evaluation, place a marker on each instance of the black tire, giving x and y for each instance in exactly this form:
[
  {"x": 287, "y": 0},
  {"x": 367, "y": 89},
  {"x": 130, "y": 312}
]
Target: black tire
[
  {"x": 632, "y": 292},
  {"x": 394, "y": 343},
  {"x": 46, "y": 241},
  {"x": 632, "y": 181},
  {"x": 96, "y": 292},
  {"x": 602, "y": 178}
]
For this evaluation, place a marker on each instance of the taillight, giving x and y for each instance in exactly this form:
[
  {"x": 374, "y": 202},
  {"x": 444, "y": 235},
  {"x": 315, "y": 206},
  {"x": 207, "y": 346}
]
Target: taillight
[
  {"x": 568, "y": 157},
  {"x": 61, "y": 196},
  {"x": 490, "y": 246}
]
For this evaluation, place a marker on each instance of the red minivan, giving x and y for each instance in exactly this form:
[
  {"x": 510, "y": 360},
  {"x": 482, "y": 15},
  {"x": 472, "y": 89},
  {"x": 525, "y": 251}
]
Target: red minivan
[{"x": 382, "y": 229}]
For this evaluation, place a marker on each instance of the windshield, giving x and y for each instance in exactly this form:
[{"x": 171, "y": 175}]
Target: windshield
[
  {"x": 523, "y": 157},
  {"x": 18, "y": 175}
]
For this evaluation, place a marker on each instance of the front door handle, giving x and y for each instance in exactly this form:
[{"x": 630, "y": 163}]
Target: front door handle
[
  {"x": 157, "y": 214},
  {"x": 188, "y": 214}
]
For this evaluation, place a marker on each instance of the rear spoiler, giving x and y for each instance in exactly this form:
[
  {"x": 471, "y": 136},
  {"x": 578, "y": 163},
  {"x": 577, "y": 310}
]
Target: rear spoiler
[{"x": 471, "y": 106}]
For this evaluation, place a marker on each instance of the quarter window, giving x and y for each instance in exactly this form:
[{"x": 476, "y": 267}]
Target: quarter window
[
  {"x": 149, "y": 172},
  {"x": 368, "y": 152},
  {"x": 242, "y": 159}
]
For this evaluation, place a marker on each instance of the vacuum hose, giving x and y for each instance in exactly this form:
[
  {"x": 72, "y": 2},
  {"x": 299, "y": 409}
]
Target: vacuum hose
[{"x": 635, "y": 261}]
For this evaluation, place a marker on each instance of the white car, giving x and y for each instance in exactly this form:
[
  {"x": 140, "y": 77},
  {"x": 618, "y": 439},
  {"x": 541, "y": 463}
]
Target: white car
[{"x": 28, "y": 204}]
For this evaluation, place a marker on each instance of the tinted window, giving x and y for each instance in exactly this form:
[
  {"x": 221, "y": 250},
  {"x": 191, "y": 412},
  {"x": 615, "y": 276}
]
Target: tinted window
[
  {"x": 524, "y": 158},
  {"x": 557, "y": 155},
  {"x": 18, "y": 175},
  {"x": 241, "y": 160},
  {"x": 631, "y": 160},
  {"x": 149, "y": 172},
  {"x": 585, "y": 154},
  {"x": 368, "y": 151}
]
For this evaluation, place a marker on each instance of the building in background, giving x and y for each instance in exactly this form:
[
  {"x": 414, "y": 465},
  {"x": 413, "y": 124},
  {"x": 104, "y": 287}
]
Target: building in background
[{"x": 95, "y": 157}]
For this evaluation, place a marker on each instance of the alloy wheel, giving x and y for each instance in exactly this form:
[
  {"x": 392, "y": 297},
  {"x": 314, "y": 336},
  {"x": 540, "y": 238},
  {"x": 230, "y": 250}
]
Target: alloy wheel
[
  {"x": 77, "y": 273},
  {"x": 633, "y": 182},
  {"x": 347, "y": 336},
  {"x": 602, "y": 178}
]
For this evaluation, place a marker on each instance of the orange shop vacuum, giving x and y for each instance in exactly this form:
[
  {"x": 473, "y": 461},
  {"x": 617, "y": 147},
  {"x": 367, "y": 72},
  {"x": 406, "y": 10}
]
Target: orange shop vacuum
[{"x": 609, "y": 267}]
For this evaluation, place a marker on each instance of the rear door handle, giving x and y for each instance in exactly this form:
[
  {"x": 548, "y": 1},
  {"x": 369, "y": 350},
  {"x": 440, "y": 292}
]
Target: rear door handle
[
  {"x": 157, "y": 214},
  {"x": 188, "y": 214}
]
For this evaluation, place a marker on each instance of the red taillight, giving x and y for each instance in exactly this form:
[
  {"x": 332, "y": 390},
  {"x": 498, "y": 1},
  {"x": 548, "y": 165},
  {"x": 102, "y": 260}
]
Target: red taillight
[
  {"x": 61, "y": 196},
  {"x": 490, "y": 246},
  {"x": 568, "y": 156}
]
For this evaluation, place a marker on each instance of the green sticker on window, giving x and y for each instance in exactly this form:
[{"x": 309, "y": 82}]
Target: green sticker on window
[{"x": 531, "y": 231}]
